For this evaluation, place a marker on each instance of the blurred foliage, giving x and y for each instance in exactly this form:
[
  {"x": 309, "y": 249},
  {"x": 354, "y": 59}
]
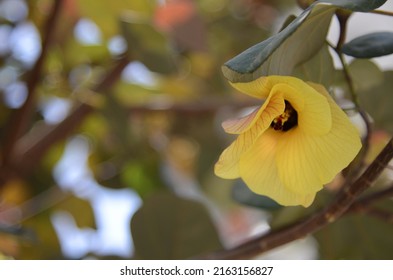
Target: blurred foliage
[
  {"x": 377, "y": 100},
  {"x": 157, "y": 128},
  {"x": 168, "y": 227},
  {"x": 357, "y": 237}
]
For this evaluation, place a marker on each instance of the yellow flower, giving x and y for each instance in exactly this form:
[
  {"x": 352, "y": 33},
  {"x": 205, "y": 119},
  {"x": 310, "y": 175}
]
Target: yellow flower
[{"x": 298, "y": 140}]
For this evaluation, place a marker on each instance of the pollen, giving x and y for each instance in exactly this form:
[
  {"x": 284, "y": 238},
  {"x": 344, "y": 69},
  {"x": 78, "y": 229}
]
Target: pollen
[{"x": 286, "y": 120}]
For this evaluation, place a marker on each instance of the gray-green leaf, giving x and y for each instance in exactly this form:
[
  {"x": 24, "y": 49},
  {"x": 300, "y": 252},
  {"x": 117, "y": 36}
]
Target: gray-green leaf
[
  {"x": 370, "y": 45},
  {"x": 378, "y": 102},
  {"x": 319, "y": 69},
  {"x": 357, "y": 5}
]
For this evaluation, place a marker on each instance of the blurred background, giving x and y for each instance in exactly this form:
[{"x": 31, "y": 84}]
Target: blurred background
[{"x": 110, "y": 126}]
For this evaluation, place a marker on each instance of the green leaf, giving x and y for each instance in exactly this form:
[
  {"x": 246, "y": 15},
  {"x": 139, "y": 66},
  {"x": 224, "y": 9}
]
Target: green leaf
[
  {"x": 357, "y": 5},
  {"x": 299, "y": 41},
  {"x": 378, "y": 102},
  {"x": 169, "y": 227},
  {"x": 147, "y": 44},
  {"x": 370, "y": 45},
  {"x": 365, "y": 74},
  {"x": 319, "y": 69}
]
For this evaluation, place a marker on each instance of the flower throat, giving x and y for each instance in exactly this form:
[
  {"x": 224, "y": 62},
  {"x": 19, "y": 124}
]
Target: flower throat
[{"x": 286, "y": 120}]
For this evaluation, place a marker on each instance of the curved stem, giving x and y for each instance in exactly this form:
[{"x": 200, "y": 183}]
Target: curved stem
[{"x": 348, "y": 78}]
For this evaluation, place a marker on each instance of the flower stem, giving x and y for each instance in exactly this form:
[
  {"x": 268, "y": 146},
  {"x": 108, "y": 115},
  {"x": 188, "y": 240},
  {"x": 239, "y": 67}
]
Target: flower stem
[
  {"x": 348, "y": 78},
  {"x": 343, "y": 20}
]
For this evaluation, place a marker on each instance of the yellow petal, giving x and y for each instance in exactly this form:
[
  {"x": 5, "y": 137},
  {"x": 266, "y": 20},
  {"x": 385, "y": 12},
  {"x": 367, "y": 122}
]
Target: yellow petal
[
  {"x": 227, "y": 165},
  {"x": 259, "y": 171},
  {"x": 289, "y": 166},
  {"x": 261, "y": 87},
  {"x": 306, "y": 162},
  {"x": 239, "y": 125},
  {"x": 258, "y": 88},
  {"x": 297, "y": 163},
  {"x": 314, "y": 116},
  {"x": 273, "y": 107}
]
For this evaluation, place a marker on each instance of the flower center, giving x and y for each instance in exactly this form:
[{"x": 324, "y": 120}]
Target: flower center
[{"x": 286, "y": 120}]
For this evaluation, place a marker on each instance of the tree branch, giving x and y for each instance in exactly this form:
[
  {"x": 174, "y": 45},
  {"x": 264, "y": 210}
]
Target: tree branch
[
  {"x": 20, "y": 119},
  {"x": 315, "y": 222},
  {"x": 26, "y": 155}
]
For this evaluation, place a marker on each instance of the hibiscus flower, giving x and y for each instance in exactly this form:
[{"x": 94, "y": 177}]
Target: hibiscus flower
[{"x": 294, "y": 143}]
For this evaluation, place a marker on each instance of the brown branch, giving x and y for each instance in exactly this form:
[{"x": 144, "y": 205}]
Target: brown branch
[
  {"x": 315, "y": 222},
  {"x": 20, "y": 119},
  {"x": 26, "y": 155}
]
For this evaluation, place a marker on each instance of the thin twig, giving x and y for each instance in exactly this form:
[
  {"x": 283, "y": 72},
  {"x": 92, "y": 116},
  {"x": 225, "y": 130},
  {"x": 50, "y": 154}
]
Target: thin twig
[
  {"x": 315, "y": 222},
  {"x": 343, "y": 17},
  {"x": 382, "y": 12}
]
